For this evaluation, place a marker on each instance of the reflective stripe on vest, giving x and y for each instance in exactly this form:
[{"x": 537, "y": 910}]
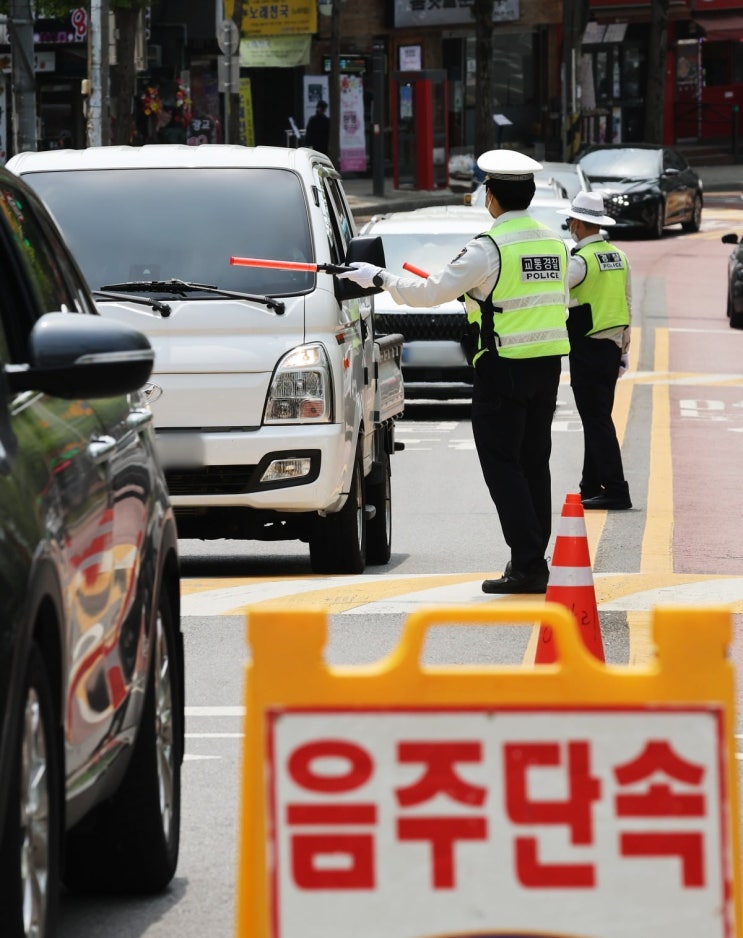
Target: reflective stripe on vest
[
  {"x": 604, "y": 288},
  {"x": 528, "y": 297}
]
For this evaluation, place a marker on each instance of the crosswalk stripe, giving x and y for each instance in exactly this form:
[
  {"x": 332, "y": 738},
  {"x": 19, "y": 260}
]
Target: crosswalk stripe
[{"x": 401, "y": 594}]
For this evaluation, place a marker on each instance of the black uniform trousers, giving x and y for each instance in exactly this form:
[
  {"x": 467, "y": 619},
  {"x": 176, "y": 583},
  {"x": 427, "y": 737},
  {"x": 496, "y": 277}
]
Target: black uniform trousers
[
  {"x": 594, "y": 369},
  {"x": 513, "y": 402}
]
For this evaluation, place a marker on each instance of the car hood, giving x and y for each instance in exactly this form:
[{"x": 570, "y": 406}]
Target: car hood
[
  {"x": 213, "y": 359},
  {"x": 622, "y": 186}
]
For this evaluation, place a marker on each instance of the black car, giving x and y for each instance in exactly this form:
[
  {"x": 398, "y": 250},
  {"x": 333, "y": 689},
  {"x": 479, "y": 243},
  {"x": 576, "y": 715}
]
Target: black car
[
  {"x": 91, "y": 651},
  {"x": 735, "y": 281},
  {"x": 645, "y": 187}
]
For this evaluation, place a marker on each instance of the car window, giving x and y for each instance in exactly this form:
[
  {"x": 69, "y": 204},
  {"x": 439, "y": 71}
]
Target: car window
[
  {"x": 673, "y": 160},
  {"x": 183, "y": 224},
  {"x": 338, "y": 225},
  {"x": 39, "y": 250},
  {"x": 5, "y": 316},
  {"x": 426, "y": 250},
  {"x": 622, "y": 163}
]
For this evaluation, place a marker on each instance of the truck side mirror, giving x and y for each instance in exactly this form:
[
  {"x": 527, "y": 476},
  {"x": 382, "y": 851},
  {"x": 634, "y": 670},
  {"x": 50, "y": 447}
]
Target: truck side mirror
[{"x": 367, "y": 249}]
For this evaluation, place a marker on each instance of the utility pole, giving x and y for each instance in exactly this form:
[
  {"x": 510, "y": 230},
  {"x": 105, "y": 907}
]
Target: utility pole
[
  {"x": 575, "y": 17},
  {"x": 98, "y": 102},
  {"x": 21, "y": 24},
  {"x": 335, "y": 84}
]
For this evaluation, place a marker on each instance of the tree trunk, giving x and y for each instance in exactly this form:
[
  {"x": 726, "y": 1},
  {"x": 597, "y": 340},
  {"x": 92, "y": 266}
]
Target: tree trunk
[
  {"x": 657, "y": 51},
  {"x": 126, "y": 19},
  {"x": 482, "y": 11}
]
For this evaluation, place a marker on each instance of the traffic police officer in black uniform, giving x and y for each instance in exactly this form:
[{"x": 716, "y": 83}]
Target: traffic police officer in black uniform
[
  {"x": 514, "y": 280},
  {"x": 599, "y": 329}
]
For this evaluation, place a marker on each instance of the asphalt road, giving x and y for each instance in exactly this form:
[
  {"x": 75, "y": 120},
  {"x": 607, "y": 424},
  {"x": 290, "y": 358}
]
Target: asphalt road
[{"x": 679, "y": 412}]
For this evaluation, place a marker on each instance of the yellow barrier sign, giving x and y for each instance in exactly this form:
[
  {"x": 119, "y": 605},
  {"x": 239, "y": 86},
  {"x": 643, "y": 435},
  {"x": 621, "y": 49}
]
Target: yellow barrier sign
[{"x": 569, "y": 800}]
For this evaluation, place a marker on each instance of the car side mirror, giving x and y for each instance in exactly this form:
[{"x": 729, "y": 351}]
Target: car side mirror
[
  {"x": 75, "y": 355},
  {"x": 363, "y": 249},
  {"x": 729, "y": 238}
]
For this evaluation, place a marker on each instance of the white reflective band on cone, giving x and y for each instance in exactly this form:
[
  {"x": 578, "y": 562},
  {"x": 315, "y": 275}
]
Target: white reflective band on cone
[
  {"x": 570, "y": 576},
  {"x": 571, "y": 527}
]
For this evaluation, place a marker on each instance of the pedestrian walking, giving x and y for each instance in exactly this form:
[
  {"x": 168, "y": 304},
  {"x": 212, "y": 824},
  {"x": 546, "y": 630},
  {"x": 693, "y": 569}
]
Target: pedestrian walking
[
  {"x": 599, "y": 328},
  {"x": 317, "y": 131},
  {"x": 514, "y": 281}
]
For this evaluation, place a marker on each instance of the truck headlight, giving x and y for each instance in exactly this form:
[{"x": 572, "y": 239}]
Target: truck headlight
[{"x": 301, "y": 389}]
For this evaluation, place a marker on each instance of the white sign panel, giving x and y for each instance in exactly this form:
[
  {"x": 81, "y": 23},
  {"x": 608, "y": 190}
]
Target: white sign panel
[
  {"x": 411, "y": 823},
  {"x": 316, "y": 88}
]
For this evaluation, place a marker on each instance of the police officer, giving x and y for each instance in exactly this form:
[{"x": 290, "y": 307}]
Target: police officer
[
  {"x": 514, "y": 280},
  {"x": 599, "y": 329}
]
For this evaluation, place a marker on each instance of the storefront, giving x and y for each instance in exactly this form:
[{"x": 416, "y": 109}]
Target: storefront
[{"x": 60, "y": 65}]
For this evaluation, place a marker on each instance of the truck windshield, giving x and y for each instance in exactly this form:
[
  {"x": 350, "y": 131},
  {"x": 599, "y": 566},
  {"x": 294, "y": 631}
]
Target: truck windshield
[{"x": 182, "y": 224}]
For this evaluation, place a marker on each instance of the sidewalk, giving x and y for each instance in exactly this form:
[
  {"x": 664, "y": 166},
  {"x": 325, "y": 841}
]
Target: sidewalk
[{"x": 364, "y": 203}]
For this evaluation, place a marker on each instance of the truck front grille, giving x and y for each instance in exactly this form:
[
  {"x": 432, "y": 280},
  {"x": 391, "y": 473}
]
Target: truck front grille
[
  {"x": 210, "y": 480},
  {"x": 416, "y": 327}
]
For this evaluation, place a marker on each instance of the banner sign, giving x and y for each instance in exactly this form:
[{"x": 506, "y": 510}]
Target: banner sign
[
  {"x": 275, "y": 52},
  {"x": 352, "y": 133},
  {"x": 438, "y": 13},
  {"x": 290, "y": 17},
  {"x": 575, "y": 800}
]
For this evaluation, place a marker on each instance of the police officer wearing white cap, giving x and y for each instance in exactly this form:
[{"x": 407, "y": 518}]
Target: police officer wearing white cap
[
  {"x": 599, "y": 328},
  {"x": 514, "y": 281}
]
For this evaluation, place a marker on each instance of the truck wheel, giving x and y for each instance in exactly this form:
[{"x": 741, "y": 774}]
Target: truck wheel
[
  {"x": 29, "y": 852},
  {"x": 338, "y": 541},
  {"x": 130, "y": 844},
  {"x": 379, "y": 529}
]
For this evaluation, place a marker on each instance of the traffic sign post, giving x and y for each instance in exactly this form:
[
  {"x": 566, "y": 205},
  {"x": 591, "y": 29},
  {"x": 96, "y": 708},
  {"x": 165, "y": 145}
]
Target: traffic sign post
[
  {"x": 228, "y": 66},
  {"x": 574, "y": 799}
]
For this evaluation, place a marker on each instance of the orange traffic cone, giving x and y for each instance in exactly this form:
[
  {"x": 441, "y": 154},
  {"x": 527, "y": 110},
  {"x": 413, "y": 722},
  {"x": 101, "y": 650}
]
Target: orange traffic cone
[{"x": 571, "y": 583}]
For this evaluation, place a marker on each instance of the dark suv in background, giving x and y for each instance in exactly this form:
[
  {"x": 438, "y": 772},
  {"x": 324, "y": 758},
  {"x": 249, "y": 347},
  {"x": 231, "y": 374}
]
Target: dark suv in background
[{"x": 91, "y": 652}]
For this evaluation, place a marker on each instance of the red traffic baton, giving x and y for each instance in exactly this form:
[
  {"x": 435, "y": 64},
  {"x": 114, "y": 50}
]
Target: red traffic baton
[
  {"x": 289, "y": 265},
  {"x": 415, "y": 270}
]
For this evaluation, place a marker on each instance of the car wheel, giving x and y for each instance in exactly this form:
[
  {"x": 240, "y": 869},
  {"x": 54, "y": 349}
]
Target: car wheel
[
  {"x": 736, "y": 319},
  {"x": 695, "y": 222},
  {"x": 338, "y": 541},
  {"x": 30, "y": 850},
  {"x": 130, "y": 844},
  {"x": 659, "y": 221},
  {"x": 379, "y": 529}
]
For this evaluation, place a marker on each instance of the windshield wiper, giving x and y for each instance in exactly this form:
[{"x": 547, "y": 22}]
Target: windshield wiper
[
  {"x": 150, "y": 301},
  {"x": 182, "y": 287}
]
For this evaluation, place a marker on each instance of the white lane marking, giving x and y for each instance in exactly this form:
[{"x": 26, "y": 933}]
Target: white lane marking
[
  {"x": 220, "y": 601},
  {"x": 728, "y": 590},
  {"x": 215, "y": 711},
  {"x": 702, "y": 593},
  {"x": 214, "y": 735},
  {"x": 191, "y": 758}
]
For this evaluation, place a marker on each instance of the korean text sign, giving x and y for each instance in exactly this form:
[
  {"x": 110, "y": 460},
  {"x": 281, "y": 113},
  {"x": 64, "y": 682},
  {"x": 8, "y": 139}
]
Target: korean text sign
[{"x": 599, "y": 803}]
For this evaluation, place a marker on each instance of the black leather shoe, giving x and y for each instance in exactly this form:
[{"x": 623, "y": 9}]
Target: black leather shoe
[
  {"x": 513, "y": 581},
  {"x": 608, "y": 502}
]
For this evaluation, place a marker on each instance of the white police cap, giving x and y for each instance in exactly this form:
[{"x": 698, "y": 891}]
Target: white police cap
[{"x": 509, "y": 165}]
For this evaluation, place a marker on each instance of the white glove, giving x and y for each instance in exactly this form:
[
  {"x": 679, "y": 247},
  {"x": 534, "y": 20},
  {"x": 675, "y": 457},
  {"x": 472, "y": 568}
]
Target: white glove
[
  {"x": 363, "y": 274},
  {"x": 623, "y": 363}
]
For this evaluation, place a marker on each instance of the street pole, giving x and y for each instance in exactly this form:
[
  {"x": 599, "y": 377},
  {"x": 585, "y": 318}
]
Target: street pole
[
  {"x": 21, "y": 26},
  {"x": 378, "y": 118},
  {"x": 98, "y": 129}
]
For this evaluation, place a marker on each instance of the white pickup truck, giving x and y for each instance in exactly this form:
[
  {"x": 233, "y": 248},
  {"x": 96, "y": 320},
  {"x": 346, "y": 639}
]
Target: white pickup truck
[{"x": 274, "y": 403}]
